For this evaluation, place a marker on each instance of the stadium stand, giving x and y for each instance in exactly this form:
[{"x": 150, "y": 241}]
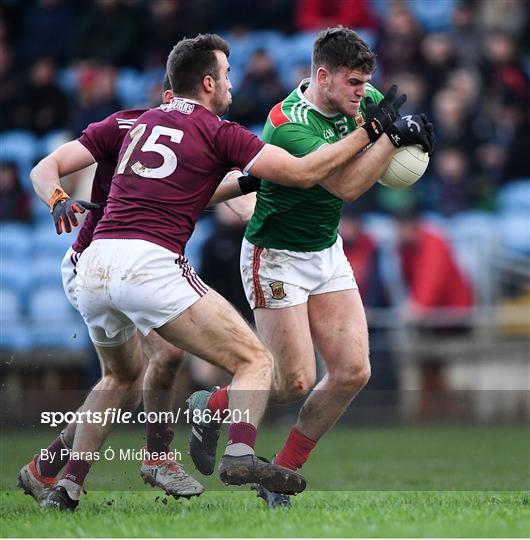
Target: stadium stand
[{"x": 489, "y": 231}]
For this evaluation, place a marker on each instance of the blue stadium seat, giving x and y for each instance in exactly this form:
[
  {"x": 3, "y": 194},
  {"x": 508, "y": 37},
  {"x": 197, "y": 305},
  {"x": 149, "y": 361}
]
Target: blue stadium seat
[
  {"x": 54, "y": 323},
  {"x": 51, "y": 141},
  {"x": 514, "y": 196},
  {"x": 46, "y": 271},
  {"x": 257, "y": 129},
  {"x": 47, "y": 241},
  {"x": 15, "y": 276},
  {"x": 295, "y": 52},
  {"x": 434, "y": 16},
  {"x": 15, "y": 239},
  {"x": 20, "y": 147},
  {"x": 515, "y": 232},
  {"x": 67, "y": 80},
  {"x": 475, "y": 239},
  {"x": 380, "y": 227},
  {"x": 203, "y": 230},
  {"x": 272, "y": 42},
  {"x": 13, "y": 330},
  {"x": 435, "y": 219},
  {"x": 40, "y": 212},
  {"x": 132, "y": 88}
]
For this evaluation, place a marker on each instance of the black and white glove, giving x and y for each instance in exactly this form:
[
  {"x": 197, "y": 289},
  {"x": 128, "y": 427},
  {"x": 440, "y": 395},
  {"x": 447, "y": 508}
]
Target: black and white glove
[
  {"x": 412, "y": 129},
  {"x": 380, "y": 117},
  {"x": 248, "y": 184}
]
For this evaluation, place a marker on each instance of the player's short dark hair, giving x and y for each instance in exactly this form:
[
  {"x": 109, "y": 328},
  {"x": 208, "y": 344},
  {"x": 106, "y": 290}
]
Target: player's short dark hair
[
  {"x": 191, "y": 60},
  {"x": 166, "y": 85},
  {"x": 341, "y": 47}
]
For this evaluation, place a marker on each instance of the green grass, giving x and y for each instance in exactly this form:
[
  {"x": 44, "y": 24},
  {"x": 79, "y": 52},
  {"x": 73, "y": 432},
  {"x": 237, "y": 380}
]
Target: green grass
[
  {"x": 240, "y": 514},
  {"x": 362, "y": 482}
]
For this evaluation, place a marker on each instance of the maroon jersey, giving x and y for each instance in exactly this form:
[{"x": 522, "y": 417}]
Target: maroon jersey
[
  {"x": 103, "y": 140},
  {"x": 170, "y": 164}
]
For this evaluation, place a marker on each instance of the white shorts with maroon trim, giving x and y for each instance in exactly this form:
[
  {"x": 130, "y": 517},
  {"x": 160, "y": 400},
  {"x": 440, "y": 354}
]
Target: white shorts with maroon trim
[
  {"x": 279, "y": 278},
  {"x": 127, "y": 284},
  {"x": 68, "y": 273}
]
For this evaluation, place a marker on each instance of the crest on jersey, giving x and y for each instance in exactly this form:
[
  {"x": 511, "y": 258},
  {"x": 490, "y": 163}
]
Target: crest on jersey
[
  {"x": 359, "y": 119},
  {"x": 278, "y": 292}
]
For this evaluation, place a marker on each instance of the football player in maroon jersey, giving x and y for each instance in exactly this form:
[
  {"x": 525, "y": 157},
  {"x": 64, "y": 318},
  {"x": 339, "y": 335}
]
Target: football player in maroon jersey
[
  {"x": 100, "y": 142},
  {"x": 134, "y": 275}
]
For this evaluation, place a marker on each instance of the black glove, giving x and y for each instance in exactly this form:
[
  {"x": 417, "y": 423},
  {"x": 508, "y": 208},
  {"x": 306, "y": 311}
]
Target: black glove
[
  {"x": 64, "y": 213},
  {"x": 380, "y": 117},
  {"x": 412, "y": 129},
  {"x": 248, "y": 184}
]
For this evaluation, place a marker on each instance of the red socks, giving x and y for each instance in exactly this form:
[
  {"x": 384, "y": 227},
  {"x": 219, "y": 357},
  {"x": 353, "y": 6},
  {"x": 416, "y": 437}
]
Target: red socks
[
  {"x": 295, "y": 451},
  {"x": 218, "y": 401}
]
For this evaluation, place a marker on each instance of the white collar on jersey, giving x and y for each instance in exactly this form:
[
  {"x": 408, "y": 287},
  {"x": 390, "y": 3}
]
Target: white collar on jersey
[
  {"x": 186, "y": 99},
  {"x": 299, "y": 91}
]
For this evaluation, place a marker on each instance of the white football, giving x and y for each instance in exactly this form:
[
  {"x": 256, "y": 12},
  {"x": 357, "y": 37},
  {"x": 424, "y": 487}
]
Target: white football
[{"x": 406, "y": 167}]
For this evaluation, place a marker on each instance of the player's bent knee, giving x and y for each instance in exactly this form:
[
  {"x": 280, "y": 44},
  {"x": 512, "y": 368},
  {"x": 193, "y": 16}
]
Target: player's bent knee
[
  {"x": 299, "y": 384},
  {"x": 255, "y": 355},
  {"x": 127, "y": 388},
  {"x": 353, "y": 377}
]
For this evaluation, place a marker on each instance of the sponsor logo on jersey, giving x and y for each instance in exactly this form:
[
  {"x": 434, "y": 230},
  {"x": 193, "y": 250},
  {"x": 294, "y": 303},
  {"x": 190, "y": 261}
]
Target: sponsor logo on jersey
[
  {"x": 359, "y": 119},
  {"x": 180, "y": 105},
  {"x": 278, "y": 292},
  {"x": 328, "y": 134}
]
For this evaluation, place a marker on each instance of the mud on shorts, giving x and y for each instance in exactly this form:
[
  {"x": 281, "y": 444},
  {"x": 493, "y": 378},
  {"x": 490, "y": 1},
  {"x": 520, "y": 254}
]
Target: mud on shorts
[{"x": 124, "y": 285}]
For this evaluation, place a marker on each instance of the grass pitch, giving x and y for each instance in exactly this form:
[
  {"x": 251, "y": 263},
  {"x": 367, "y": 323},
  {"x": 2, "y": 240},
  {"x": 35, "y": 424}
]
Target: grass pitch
[{"x": 362, "y": 482}]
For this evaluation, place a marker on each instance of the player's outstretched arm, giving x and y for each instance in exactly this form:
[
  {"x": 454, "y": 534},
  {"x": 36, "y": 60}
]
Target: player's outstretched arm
[
  {"x": 277, "y": 165},
  {"x": 233, "y": 185},
  {"x": 46, "y": 179}
]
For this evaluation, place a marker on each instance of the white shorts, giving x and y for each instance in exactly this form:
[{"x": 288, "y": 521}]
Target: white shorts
[
  {"x": 124, "y": 285},
  {"x": 279, "y": 278},
  {"x": 68, "y": 273}
]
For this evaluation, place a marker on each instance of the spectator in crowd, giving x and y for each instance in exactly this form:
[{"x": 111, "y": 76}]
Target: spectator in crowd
[
  {"x": 8, "y": 87},
  {"x": 318, "y": 14},
  {"x": 438, "y": 59},
  {"x": 466, "y": 33},
  {"x": 502, "y": 69},
  {"x": 14, "y": 200},
  {"x": 431, "y": 274},
  {"x": 362, "y": 253},
  {"x": 398, "y": 47},
  {"x": 517, "y": 163},
  {"x": 241, "y": 15},
  {"x": 448, "y": 189},
  {"x": 53, "y": 22},
  {"x": 172, "y": 20},
  {"x": 510, "y": 16},
  {"x": 258, "y": 92},
  {"x": 414, "y": 87},
  {"x": 220, "y": 259},
  {"x": 97, "y": 96},
  {"x": 109, "y": 33},
  {"x": 41, "y": 105},
  {"x": 451, "y": 121}
]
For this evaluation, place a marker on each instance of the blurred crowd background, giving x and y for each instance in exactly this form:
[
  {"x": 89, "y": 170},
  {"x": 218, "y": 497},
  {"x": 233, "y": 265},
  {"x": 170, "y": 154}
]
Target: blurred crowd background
[{"x": 445, "y": 260}]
